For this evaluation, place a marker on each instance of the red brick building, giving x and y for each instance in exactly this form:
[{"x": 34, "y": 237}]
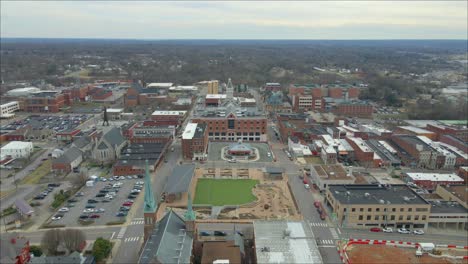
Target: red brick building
[
  {"x": 440, "y": 130},
  {"x": 44, "y": 102},
  {"x": 195, "y": 142},
  {"x": 168, "y": 118},
  {"x": 132, "y": 159},
  {"x": 77, "y": 94},
  {"x": 455, "y": 142},
  {"x": 429, "y": 181},
  {"x": 362, "y": 152},
  {"x": 99, "y": 94},
  {"x": 355, "y": 110},
  {"x": 139, "y": 133},
  {"x": 68, "y": 135}
]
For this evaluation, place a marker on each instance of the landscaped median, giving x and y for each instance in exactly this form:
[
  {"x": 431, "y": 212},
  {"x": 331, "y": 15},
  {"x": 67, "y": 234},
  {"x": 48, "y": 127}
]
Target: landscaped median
[{"x": 37, "y": 174}]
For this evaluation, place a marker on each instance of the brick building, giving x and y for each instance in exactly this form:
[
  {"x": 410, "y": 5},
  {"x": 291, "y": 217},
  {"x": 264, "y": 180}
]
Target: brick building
[
  {"x": 138, "y": 133},
  {"x": 44, "y": 102},
  {"x": 214, "y": 99},
  {"x": 440, "y": 130},
  {"x": 355, "y": 109},
  {"x": 168, "y": 118},
  {"x": 422, "y": 153},
  {"x": 195, "y": 141},
  {"x": 430, "y": 180},
  {"x": 362, "y": 152},
  {"x": 132, "y": 158},
  {"x": 412, "y": 130},
  {"x": 455, "y": 141}
]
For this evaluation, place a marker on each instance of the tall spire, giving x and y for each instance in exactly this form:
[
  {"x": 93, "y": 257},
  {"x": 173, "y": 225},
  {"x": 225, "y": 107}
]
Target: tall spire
[
  {"x": 150, "y": 203},
  {"x": 229, "y": 90},
  {"x": 190, "y": 214}
]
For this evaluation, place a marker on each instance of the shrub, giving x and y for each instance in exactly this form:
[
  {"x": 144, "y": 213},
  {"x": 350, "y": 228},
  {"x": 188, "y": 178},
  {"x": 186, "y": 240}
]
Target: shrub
[
  {"x": 36, "y": 250},
  {"x": 8, "y": 211},
  {"x": 101, "y": 248},
  {"x": 60, "y": 198}
]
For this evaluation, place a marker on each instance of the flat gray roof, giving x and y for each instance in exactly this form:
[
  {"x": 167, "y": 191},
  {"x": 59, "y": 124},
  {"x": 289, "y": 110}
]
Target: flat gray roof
[
  {"x": 180, "y": 179},
  {"x": 376, "y": 194}
]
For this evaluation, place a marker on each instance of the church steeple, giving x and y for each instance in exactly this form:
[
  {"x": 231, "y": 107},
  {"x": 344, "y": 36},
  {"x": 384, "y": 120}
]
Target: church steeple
[
  {"x": 189, "y": 216},
  {"x": 150, "y": 203}
]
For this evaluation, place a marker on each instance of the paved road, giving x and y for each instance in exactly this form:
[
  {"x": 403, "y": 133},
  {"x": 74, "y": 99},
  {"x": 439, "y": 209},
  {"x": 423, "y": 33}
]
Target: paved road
[{"x": 131, "y": 236}]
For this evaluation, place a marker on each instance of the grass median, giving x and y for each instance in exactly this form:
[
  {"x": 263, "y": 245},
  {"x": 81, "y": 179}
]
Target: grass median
[{"x": 38, "y": 173}]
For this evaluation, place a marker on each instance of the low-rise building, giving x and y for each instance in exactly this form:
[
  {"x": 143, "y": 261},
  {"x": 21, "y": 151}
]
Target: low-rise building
[
  {"x": 179, "y": 182},
  {"x": 417, "y": 131},
  {"x": 17, "y": 149},
  {"x": 325, "y": 175},
  {"x": 7, "y": 109},
  {"x": 228, "y": 250},
  {"x": 377, "y": 206},
  {"x": 446, "y": 214},
  {"x": 195, "y": 141},
  {"x": 109, "y": 147},
  {"x": 453, "y": 192},
  {"x": 430, "y": 180},
  {"x": 354, "y": 109},
  {"x": 168, "y": 118},
  {"x": 285, "y": 242},
  {"x": 69, "y": 160},
  {"x": 132, "y": 158}
]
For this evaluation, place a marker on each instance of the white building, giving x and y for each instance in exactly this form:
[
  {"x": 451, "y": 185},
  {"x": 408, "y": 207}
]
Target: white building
[
  {"x": 160, "y": 85},
  {"x": 7, "y": 109},
  {"x": 17, "y": 149},
  {"x": 22, "y": 91}
]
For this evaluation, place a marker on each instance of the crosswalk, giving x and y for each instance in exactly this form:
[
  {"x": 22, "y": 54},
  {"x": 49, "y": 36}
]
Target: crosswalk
[
  {"x": 319, "y": 224},
  {"x": 132, "y": 239},
  {"x": 121, "y": 232},
  {"x": 325, "y": 242},
  {"x": 137, "y": 222},
  {"x": 334, "y": 234}
]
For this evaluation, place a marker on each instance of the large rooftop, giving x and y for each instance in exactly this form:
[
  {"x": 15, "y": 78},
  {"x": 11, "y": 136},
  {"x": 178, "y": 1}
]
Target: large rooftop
[
  {"x": 443, "y": 177},
  {"x": 444, "y": 207},
  {"x": 330, "y": 172},
  {"x": 285, "y": 242},
  {"x": 375, "y": 194}
]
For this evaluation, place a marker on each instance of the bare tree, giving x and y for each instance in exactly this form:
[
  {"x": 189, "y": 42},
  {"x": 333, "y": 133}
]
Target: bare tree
[
  {"x": 81, "y": 178},
  {"x": 50, "y": 241},
  {"x": 73, "y": 239}
]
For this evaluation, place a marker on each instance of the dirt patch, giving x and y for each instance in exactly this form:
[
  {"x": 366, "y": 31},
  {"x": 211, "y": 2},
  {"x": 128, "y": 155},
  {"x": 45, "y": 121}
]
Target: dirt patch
[{"x": 382, "y": 254}]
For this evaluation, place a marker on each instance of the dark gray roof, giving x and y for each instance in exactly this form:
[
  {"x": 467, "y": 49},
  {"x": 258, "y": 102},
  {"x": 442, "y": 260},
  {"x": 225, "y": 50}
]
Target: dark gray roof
[
  {"x": 180, "y": 179},
  {"x": 356, "y": 194},
  {"x": 82, "y": 141},
  {"x": 444, "y": 207},
  {"x": 383, "y": 152},
  {"x": 114, "y": 136},
  {"x": 73, "y": 258},
  {"x": 274, "y": 170},
  {"x": 169, "y": 242},
  {"x": 23, "y": 207},
  {"x": 102, "y": 145},
  {"x": 200, "y": 131},
  {"x": 69, "y": 155}
]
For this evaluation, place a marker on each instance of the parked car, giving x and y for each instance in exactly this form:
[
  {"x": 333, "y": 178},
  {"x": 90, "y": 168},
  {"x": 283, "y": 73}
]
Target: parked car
[
  {"x": 131, "y": 196},
  {"x": 84, "y": 217},
  {"x": 90, "y": 206},
  {"x": 92, "y": 201},
  {"x": 127, "y": 204},
  {"x": 307, "y": 186},
  {"x": 120, "y": 214},
  {"x": 39, "y": 197},
  {"x": 53, "y": 185},
  {"x": 123, "y": 208},
  {"x": 129, "y": 177},
  {"x": 203, "y": 233},
  {"x": 101, "y": 210},
  {"x": 64, "y": 209},
  {"x": 388, "y": 230},
  {"x": 71, "y": 205},
  {"x": 317, "y": 204},
  {"x": 79, "y": 194},
  {"x": 72, "y": 200},
  {"x": 220, "y": 233},
  {"x": 100, "y": 195},
  {"x": 376, "y": 229},
  {"x": 94, "y": 216},
  {"x": 418, "y": 232},
  {"x": 404, "y": 231},
  {"x": 232, "y": 161},
  {"x": 57, "y": 217},
  {"x": 88, "y": 210}
]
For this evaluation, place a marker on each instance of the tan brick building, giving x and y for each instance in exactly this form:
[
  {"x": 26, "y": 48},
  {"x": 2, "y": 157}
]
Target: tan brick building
[{"x": 377, "y": 206}]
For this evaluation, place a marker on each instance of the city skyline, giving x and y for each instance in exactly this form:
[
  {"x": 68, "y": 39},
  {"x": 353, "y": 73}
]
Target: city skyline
[{"x": 236, "y": 20}]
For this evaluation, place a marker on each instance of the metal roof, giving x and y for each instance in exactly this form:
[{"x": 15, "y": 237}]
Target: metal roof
[
  {"x": 180, "y": 179},
  {"x": 285, "y": 242}
]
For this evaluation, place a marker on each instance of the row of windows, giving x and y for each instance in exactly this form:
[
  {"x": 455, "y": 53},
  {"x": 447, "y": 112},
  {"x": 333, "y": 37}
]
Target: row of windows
[
  {"x": 232, "y": 134},
  {"x": 392, "y": 217},
  {"x": 385, "y": 209}
]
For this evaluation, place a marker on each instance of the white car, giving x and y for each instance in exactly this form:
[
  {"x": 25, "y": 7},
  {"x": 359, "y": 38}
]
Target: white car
[
  {"x": 64, "y": 209},
  {"x": 136, "y": 190},
  {"x": 418, "y": 232},
  {"x": 101, "y": 210},
  {"x": 232, "y": 161},
  {"x": 121, "y": 178},
  {"x": 88, "y": 210},
  {"x": 57, "y": 217},
  {"x": 404, "y": 231},
  {"x": 388, "y": 230},
  {"x": 307, "y": 186}
]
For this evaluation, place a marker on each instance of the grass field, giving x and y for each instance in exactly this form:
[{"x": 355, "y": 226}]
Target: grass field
[
  {"x": 224, "y": 192},
  {"x": 36, "y": 175}
]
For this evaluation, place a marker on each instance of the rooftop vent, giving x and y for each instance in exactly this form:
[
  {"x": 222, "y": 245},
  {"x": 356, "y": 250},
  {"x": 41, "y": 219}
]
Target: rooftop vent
[{"x": 367, "y": 195}]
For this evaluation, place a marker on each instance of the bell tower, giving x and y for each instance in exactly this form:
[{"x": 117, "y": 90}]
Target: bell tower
[
  {"x": 150, "y": 207},
  {"x": 189, "y": 216}
]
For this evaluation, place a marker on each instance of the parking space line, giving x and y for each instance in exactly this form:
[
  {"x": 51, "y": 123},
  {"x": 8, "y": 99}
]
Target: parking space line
[{"x": 113, "y": 233}]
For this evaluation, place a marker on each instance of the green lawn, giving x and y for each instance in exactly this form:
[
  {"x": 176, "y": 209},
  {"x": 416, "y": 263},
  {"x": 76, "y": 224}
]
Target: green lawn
[{"x": 224, "y": 192}]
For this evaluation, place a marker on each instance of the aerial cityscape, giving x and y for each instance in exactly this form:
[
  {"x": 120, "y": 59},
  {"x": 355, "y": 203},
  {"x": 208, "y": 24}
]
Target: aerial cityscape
[{"x": 147, "y": 132}]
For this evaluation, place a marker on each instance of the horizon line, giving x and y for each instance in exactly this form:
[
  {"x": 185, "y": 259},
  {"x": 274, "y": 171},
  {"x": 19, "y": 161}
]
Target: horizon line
[{"x": 228, "y": 39}]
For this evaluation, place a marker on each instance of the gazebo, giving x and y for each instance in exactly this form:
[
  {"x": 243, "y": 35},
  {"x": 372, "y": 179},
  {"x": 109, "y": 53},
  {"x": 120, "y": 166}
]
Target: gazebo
[{"x": 240, "y": 149}]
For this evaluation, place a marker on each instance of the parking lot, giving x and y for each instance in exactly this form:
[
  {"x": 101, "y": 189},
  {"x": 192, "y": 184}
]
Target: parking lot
[
  {"x": 58, "y": 123},
  {"x": 214, "y": 151},
  {"x": 111, "y": 208}
]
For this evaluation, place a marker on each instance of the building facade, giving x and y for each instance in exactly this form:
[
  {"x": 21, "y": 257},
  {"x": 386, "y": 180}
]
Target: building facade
[
  {"x": 195, "y": 142},
  {"x": 9, "y": 108}
]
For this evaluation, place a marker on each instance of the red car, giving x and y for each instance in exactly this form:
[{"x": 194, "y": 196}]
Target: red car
[
  {"x": 127, "y": 204},
  {"x": 94, "y": 216},
  {"x": 317, "y": 204},
  {"x": 304, "y": 181},
  {"x": 376, "y": 229}
]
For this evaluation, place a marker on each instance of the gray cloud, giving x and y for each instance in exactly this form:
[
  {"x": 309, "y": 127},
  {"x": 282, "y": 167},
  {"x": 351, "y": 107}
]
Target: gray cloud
[{"x": 230, "y": 20}]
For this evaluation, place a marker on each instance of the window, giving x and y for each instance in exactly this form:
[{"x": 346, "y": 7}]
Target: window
[
  {"x": 361, "y": 217},
  {"x": 400, "y": 217},
  {"x": 361, "y": 209},
  {"x": 416, "y": 217},
  {"x": 402, "y": 209},
  {"x": 368, "y": 217},
  {"x": 378, "y": 209},
  {"x": 393, "y": 209},
  {"x": 408, "y": 217},
  {"x": 421, "y": 209},
  {"x": 423, "y": 217},
  {"x": 410, "y": 209},
  {"x": 369, "y": 209},
  {"x": 353, "y": 209},
  {"x": 376, "y": 217},
  {"x": 231, "y": 124},
  {"x": 392, "y": 217}
]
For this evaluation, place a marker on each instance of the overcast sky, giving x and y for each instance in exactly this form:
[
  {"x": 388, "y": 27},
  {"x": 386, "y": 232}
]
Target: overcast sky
[{"x": 236, "y": 20}]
